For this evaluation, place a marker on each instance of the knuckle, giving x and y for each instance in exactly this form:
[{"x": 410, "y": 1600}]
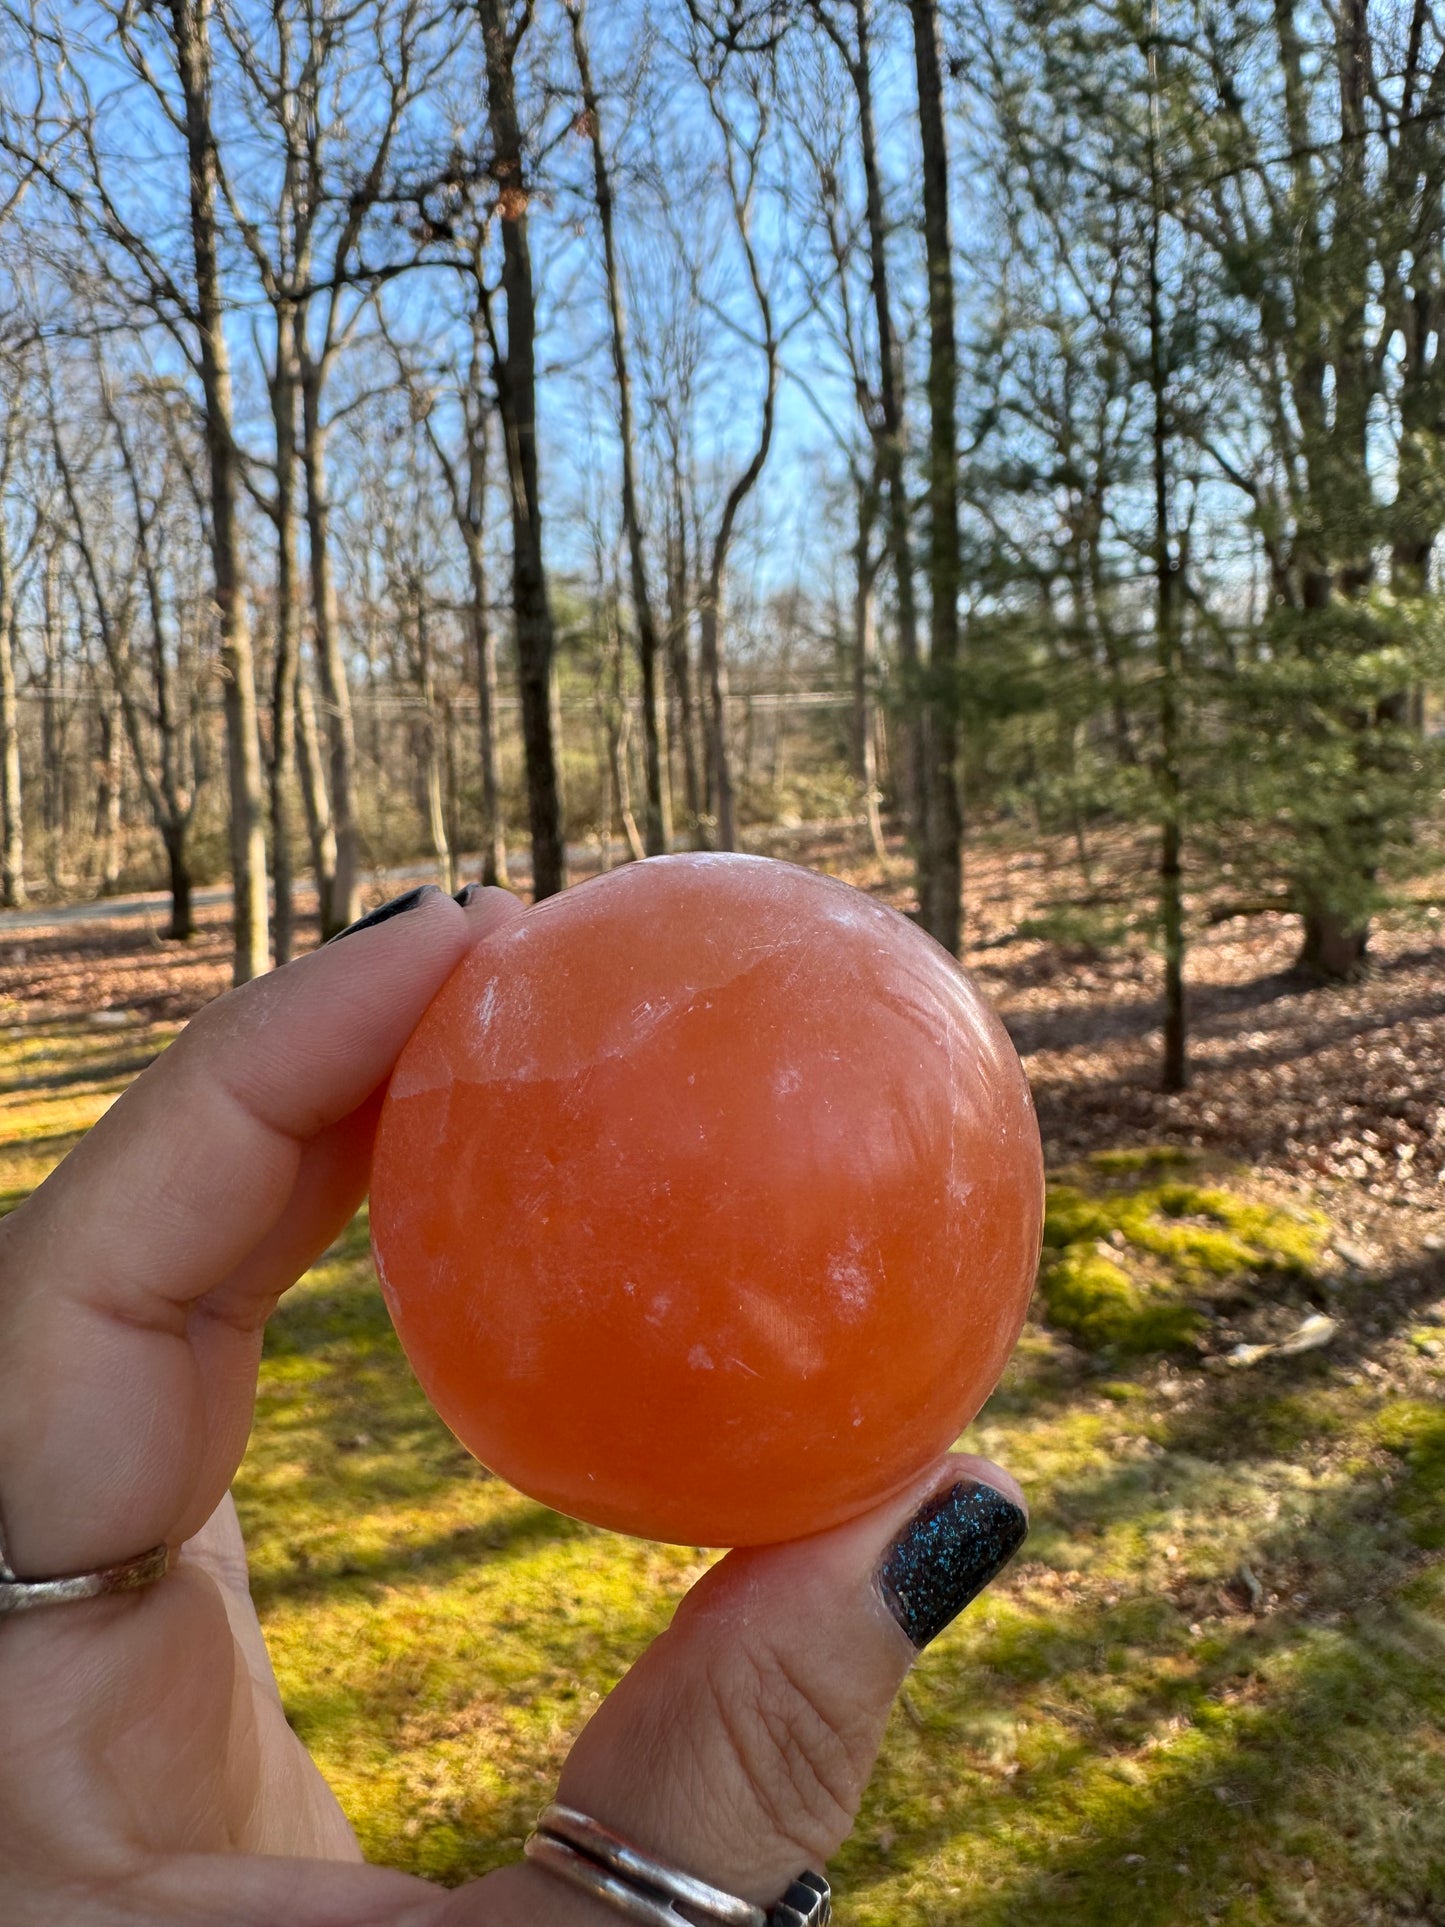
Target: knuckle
[{"x": 802, "y": 1761}]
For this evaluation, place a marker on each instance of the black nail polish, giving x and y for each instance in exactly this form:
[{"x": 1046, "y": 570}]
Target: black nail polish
[
  {"x": 467, "y": 892},
  {"x": 387, "y": 911},
  {"x": 947, "y": 1554}
]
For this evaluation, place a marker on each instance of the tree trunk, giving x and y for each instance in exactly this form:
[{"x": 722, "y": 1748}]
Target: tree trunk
[
  {"x": 109, "y": 795},
  {"x": 191, "y": 28},
  {"x": 288, "y": 632},
  {"x": 451, "y": 787},
  {"x": 52, "y": 724},
  {"x": 913, "y": 783},
  {"x": 171, "y": 790},
  {"x": 484, "y": 655},
  {"x": 1171, "y": 895},
  {"x": 715, "y": 679},
  {"x": 342, "y": 902},
  {"x": 515, "y": 373},
  {"x": 183, "y": 923},
  {"x": 659, "y": 830},
  {"x": 680, "y": 666},
  {"x": 942, "y": 868},
  {"x": 12, "y": 821},
  {"x": 865, "y": 674},
  {"x": 618, "y": 722},
  {"x": 441, "y": 848},
  {"x": 1334, "y": 948},
  {"x": 311, "y": 768}
]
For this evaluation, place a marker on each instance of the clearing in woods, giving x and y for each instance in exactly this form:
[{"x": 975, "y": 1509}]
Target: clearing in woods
[{"x": 1212, "y": 1689}]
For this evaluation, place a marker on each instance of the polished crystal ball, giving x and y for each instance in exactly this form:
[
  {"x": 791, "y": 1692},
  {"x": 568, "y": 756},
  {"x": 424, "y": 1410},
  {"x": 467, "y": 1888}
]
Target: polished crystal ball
[{"x": 707, "y": 1201}]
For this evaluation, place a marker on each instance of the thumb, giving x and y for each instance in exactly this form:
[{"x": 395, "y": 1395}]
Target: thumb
[{"x": 738, "y": 1748}]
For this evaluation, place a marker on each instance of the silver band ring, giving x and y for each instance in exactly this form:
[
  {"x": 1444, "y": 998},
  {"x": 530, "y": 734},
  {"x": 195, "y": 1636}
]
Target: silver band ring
[
  {"x": 588, "y": 1855},
  {"x": 126, "y": 1575}
]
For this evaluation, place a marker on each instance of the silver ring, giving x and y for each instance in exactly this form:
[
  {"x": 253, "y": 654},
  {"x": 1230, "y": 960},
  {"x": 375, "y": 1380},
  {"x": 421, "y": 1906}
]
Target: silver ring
[
  {"x": 588, "y": 1855},
  {"x": 24, "y": 1595}
]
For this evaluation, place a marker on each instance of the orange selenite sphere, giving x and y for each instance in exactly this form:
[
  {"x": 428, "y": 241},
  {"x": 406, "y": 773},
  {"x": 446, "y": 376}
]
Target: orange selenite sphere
[{"x": 707, "y": 1201}]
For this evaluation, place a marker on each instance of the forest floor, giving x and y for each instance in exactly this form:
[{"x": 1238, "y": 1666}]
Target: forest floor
[{"x": 1212, "y": 1688}]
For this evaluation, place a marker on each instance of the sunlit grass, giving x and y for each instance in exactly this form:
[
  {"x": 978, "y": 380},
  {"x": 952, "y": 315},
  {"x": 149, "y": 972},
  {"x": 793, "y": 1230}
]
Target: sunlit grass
[{"x": 1211, "y": 1690}]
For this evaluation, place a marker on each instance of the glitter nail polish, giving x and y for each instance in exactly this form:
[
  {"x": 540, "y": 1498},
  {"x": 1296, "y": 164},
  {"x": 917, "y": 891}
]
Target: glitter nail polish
[{"x": 946, "y": 1554}]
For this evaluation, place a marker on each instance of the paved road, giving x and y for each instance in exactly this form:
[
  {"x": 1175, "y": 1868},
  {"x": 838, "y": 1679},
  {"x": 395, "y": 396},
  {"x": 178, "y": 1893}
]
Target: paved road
[{"x": 155, "y": 905}]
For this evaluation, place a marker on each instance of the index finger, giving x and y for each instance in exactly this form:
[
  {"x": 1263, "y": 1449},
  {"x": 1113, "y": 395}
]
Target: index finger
[{"x": 131, "y": 1304}]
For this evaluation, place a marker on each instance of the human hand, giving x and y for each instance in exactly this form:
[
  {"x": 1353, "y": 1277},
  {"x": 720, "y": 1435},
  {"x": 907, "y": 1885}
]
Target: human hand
[{"x": 147, "y": 1772}]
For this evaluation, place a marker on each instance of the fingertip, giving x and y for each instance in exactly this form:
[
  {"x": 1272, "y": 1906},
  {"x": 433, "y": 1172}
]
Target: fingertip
[
  {"x": 423, "y": 896},
  {"x": 968, "y": 1466},
  {"x": 487, "y": 908}
]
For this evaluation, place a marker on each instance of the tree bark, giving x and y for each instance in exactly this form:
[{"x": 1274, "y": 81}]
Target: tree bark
[
  {"x": 178, "y": 867},
  {"x": 892, "y": 450},
  {"x": 617, "y": 726},
  {"x": 12, "y": 821},
  {"x": 865, "y": 671},
  {"x": 680, "y": 661},
  {"x": 53, "y": 723},
  {"x": 658, "y": 832},
  {"x": 515, "y": 370},
  {"x": 1171, "y": 898},
  {"x": 109, "y": 795},
  {"x": 484, "y": 656},
  {"x": 941, "y": 893},
  {"x": 472, "y": 510},
  {"x": 1333, "y": 948},
  {"x": 288, "y": 631},
  {"x": 311, "y": 769},
  {"x": 431, "y": 771},
  {"x": 191, "y": 28},
  {"x": 715, "y": 681},
  {"x": 341, "y": 901}
]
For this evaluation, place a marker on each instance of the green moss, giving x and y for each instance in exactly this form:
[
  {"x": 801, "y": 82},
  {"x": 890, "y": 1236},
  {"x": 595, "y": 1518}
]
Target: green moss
[
  {"x": 1251, "y": 1237},
  {"x": 1100, "y": 1305},
  {"x": 1129, "y": 1161},
  {"x": 1124, "y": 1265},
  {"x": 1414, "y": 1431},
  {"x": 1070, "y": 1216}
]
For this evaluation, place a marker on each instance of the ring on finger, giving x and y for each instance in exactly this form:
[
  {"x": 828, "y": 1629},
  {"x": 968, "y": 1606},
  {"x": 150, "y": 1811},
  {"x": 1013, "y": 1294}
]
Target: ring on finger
[
  {"x": 588, "y": 1855},
  {"x": 19, "y": 1595}
]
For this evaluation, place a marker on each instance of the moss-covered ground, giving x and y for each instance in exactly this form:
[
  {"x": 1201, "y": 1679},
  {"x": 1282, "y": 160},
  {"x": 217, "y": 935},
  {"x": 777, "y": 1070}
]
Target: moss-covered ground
[{"x": 1211, "y": 1690}]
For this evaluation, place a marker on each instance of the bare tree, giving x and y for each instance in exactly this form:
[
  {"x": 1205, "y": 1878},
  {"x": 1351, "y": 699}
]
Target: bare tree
[
  {"x": 825, "y": 132},
  {"x": 941, "y": 868},
  {"x": 670, "y": 341},
  {"x": 168, "y": 48},
  {"x": 307, "y": 254},
  {"x": 14, "y": 433},
  {"x": 503, "y": 29},
  {"x": 743, "y": 142},
  {"x": 464, "y": 460},
  {"x": 117, "y": 517},
  {"x": 658, "y": 829},
  {"x": 849, "y": 25}
]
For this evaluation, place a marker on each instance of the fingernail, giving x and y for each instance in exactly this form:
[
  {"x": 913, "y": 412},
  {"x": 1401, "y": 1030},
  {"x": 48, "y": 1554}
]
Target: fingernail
[
  {"x": 467, "y": 893},
  {"x": 387, "y": 911},
  {"x": 947, "y": 1554}
]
